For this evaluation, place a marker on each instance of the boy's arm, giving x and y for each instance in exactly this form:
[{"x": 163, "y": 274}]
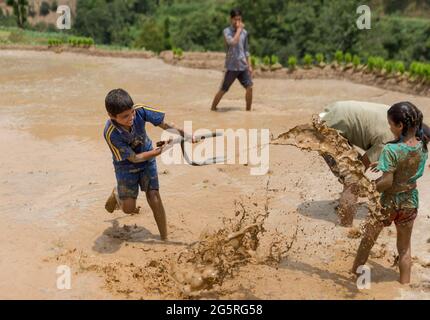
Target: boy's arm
[
  {"x": 248, "y": 55},
  {"x": 232, "y": 41},
  {"x": 171, "y": 127},
  {"x": 144, "y": 156}
]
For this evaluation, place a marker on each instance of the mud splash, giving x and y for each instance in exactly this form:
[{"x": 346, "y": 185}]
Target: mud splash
[
  {"x": 218, "y": 255},
  {"x": 199, "y": 270},
  {"x": 349, "y": 169}
]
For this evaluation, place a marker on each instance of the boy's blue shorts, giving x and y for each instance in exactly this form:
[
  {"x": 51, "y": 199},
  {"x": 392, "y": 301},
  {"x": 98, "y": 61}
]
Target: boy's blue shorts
[{"x": 129, "y": 179}]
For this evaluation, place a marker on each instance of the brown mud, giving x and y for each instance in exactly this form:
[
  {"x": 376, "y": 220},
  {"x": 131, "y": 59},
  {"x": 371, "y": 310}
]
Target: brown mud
[
  {"x": 56, "y": 174},
  {"x": 349, "y": 169}
]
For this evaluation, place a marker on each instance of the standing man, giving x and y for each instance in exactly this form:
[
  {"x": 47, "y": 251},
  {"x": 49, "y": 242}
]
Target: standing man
[{"x": 237, "y": 62}]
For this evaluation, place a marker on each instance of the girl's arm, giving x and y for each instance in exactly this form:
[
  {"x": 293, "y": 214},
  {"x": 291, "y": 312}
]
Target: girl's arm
[{"x": 385, "y": 182}]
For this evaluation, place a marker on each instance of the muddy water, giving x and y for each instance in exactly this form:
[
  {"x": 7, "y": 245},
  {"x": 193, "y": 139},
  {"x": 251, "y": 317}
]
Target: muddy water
[{"x": 56, "y": 172}]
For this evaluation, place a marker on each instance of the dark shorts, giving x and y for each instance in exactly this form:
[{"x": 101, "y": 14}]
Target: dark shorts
[
  {"x": 129, "y": 180},
  {"x": 243, "y": 76},
  {"x": 399, "y": 217}
]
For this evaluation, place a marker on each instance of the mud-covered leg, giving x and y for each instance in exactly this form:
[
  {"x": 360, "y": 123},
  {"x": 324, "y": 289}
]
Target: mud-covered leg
[
  {"x": 372, "y": 230},
  {"x": 348, "y": 205},
  {"x": 154, "y": 201}
]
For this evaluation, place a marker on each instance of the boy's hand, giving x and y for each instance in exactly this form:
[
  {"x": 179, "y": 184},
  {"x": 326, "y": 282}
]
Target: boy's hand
[
  {"x": 240, "y": 25},
  {"x": 250, "y": 70}
]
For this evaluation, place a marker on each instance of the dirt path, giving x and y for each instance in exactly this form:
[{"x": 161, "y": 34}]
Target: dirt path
[{"x": 56, "y": 172}]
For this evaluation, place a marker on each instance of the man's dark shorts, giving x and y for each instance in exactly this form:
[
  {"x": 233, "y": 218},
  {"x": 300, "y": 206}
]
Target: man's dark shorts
[
  {"x": 130, "y": 179},
  {"x": 244, "y": 78}
]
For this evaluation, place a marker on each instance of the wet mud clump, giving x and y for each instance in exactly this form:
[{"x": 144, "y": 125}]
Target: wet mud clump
[
  {"x": 347, "y": 167},
  {"x": 200, "y": 269},
  {"x": 219, "y": 254}
]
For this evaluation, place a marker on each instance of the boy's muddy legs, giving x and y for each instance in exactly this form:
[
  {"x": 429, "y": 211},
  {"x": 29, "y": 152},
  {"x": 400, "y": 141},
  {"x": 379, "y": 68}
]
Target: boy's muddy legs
[
  {"x": 248, "y": 97},
  {"x": 404, "y": 233},
  {"x": 348, "y": 205},
  {"x": 154, "y": 201},
  {"x": 217, "y": 99},
  {"x": 128, "y": 206},
  {"x": 372, "y": 230}
]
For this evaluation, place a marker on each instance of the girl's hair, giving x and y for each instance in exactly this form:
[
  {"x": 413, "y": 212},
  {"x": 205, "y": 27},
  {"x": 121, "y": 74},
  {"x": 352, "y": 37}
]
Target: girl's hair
[{"x": 411, "y": 118}]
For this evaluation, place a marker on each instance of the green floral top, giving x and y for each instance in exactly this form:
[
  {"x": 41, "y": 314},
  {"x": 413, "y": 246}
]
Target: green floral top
[{"x": 407, "y": 164}]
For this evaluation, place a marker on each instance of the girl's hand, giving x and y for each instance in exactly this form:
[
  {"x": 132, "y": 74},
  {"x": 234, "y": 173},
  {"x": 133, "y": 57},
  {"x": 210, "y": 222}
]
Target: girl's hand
[{"x": 373, "y": 167}]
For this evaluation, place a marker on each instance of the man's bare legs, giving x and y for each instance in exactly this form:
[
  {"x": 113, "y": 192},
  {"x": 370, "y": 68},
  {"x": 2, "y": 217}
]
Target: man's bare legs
[
  {"x": 248, "y": 98},
  {"x": 404, "y": 233},
  {"x": 217, "y": 99},
  {"x": 154, "y": 201},
  {"x": 348, "y": 205},
  {"x": 220, "y": 94},
  {"x": 372, "y": 230}
]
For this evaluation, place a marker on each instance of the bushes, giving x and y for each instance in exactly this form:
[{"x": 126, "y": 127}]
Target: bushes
[
  {"x": 308, "y": 60},
  {"x": 399, "y": 67},
  {"x": 16, "y": 36},
  {"x": 178, "y": 53},
  {"x": 419, "y": 70},
  {"x": 356, "y": 61},
  {"x": 274, "y": 60},
  {"x": 319, "y": 57},
  {"x": 338, "y": 56},
  {"x": 255, "y": 61},
  {"x": 55, "y": 42},
  {"x": 81, "y": 42},
  {"x": 347, "y": 58},
  {"x": 375, "y": 64},
  {"x": 292, "y": 63}
]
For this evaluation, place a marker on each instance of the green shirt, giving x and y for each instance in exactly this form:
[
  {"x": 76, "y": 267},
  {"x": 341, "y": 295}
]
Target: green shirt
[
  {"x": 364, "y": 124},
  {"x": 407, "y": 165}
]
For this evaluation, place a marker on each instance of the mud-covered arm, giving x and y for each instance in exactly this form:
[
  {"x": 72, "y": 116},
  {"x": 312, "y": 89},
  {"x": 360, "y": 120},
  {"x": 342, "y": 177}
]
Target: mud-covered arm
[
  {"x": 144, "y": 156},
  {"x": 171, "y": 127},
  {"x": 387, "y": 164},
  {"x": 385, "y": 182}
]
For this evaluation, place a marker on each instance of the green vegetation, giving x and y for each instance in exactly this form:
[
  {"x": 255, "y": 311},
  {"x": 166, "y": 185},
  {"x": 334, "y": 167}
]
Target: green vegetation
[
  {"x": 82, "y": 42},
  {"x": 347, "y": 58},
  {"x": 292, "y": 63},
  {"x": 338, "y": 56},
  {"x": 45, "y": 8},
  {"x": 19, "y": 10},
  {"x": 319, "y": 57},
  {"x": 281, "y": 32},
  {"x": 356, "y": 61},
  {"x": 178, "y": 53},
  {"x": 308, "y": 60},
  {"x": 55, "y": 42}
]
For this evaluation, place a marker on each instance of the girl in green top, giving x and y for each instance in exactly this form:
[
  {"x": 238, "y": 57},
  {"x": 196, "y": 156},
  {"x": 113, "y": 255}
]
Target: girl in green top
[{"x": 402, "y": 163}]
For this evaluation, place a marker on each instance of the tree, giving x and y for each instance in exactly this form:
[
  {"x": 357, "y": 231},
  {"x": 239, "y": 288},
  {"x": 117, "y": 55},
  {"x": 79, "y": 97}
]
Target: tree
[
  {"x": 20, "y": 10},
  {"x": 54, "y": 6},
  {"x": 44, "y": 8},
  {"x": 151, "y": 36}
]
